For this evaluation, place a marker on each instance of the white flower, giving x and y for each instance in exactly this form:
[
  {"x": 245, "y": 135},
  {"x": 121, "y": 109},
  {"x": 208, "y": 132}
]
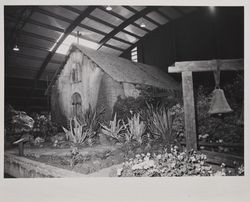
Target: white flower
[{"x": 158, "y": 156}]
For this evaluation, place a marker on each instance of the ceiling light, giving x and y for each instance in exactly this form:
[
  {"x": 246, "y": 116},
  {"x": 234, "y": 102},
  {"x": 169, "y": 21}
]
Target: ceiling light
[
  {"x": 16, "y": 48},
  {"x": 142, "y": 25},
  {"x": 108, "y": 8}
]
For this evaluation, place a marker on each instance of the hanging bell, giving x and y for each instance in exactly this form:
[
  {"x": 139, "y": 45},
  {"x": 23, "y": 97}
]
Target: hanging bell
[{"x": 219, "y": 104}]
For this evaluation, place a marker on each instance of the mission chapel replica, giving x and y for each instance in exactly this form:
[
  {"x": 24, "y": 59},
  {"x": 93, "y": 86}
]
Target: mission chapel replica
[{"x": 96, "y": 79}]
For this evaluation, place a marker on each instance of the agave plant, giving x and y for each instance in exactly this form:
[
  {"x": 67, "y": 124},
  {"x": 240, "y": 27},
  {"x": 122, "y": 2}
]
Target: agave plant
[
  {"x": 76, "y": 134},
  {"x": 91, "y": 119},
  {"x": 135, "y": 129},
  {"x": 160, "y": 123},
  {"x": 114, "y": 129}
]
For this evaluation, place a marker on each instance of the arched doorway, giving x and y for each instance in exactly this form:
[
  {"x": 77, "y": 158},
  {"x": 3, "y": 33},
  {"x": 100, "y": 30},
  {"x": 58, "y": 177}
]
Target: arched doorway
[{"x": 76, "y": 105}]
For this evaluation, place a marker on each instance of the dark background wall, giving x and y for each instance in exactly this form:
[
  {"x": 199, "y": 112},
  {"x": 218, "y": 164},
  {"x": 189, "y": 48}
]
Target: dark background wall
[{"x": 204, "y": 34}]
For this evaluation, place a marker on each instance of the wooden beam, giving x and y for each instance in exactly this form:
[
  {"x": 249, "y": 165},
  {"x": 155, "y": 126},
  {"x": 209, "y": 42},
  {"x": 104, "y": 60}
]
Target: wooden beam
[
  {"x": 32, "y": 46},
  {"x": 69, "y": 29},
  {"x": 50, "y": 27},
  {"x": 145, "y": 17},
  {"x": 125, "y": 24},
  {"x": 37, "y": 36},
  {"x": 189, "y": 115},
  {"x": 207, "y": 65},
  {"x": 219, "y": 158},
  {"x": 124, "y": 19}
]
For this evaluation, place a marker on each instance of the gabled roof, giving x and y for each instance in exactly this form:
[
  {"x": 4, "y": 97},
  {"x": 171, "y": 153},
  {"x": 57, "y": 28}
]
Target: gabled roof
[{"x": 126, "y": 71}]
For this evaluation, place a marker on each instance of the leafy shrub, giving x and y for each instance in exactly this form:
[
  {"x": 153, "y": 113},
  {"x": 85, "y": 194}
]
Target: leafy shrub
[
  {"x": 173, "y": 163},
  {"x": 43, "y": 126},
  {"x": 114, "y": 130}
]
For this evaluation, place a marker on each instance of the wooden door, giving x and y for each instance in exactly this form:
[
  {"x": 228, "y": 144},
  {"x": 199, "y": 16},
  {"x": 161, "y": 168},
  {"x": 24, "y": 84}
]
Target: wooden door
[{"x": 76, "y": 105}]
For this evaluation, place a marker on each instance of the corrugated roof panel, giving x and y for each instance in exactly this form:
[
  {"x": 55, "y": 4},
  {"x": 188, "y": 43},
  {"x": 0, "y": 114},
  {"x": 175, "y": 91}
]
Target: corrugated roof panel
[
  {"x": 136, "y": 30},
  {"x": 138, "y": 8},
  {"x": 49, "y": 20},
  {"x": 157, "y": 17},
  {"x": 106, "y": 17},
  {"x": 80, "y": 8},
  {"x": 110, "y": 50},
  {"x": 118, "y": 44},
  {"x": 88, "y": 34},
  {"x": 122, "y": 11},
  {"x": 58, "y": 57},
  {"x": 170, "y": 12},
  {"x": 52, "y": 67},
  {"x": 47, "y": 76},
  {"x": 149, "y": 25},
  {"x": 35, "y": 41},
  {"x": 41, "y": 31},
  {"x": 16, "y": 61},
  {"x": 61, "y": 11},
  {"x": 96, "y": 25},
  {"x": 25, "y": 74},
  {"x": 32, "y": 52},
  {"x": 126, "y": 37}
]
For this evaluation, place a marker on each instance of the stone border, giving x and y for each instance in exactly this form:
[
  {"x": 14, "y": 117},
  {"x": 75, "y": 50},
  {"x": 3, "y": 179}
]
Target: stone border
[{"x": 21, "y": 167}]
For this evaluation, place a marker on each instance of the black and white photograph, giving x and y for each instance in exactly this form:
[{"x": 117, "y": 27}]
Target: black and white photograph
[{"x": 123, "y": 91}]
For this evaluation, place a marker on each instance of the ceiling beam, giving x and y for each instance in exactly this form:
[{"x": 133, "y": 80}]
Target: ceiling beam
[
  {"x": 102, "y": 22},
  {"x": 123, "y": 18},
  {"x": 126, "y": 23},
  {"x": 32, "y": 46},
  {"x": 145, "y": 17},
  {"x": 53, "y": 15},
  {"x": 67, "y": 32},
  {"x": 164, "y": 15},
  {"x": 37, "y": 36},
  {"x": 50, "y": 27}
]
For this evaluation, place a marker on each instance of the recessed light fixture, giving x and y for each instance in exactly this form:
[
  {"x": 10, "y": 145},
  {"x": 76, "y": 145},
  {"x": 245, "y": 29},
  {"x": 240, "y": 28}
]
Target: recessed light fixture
[
  {"x": 142, "y": 25},
  {"x": 16, "y": 48},
  {"x": 108, "y": 8}
]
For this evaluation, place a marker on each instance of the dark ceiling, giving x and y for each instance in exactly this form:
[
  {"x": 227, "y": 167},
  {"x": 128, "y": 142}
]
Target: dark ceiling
[{"x": 41, "y": 31}]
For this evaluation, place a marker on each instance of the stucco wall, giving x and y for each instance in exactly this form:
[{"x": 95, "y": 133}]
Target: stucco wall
[
  {"x": 108, "y": 94},
  {"x": 88, "y": 87}
]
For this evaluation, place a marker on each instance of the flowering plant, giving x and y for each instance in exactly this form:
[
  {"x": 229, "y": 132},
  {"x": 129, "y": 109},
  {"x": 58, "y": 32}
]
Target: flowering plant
[{"x": 173, "y": 163}]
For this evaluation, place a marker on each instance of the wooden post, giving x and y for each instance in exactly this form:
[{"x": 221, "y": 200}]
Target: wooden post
[
  {"x": 20, "y": 148},
  {"x": 188, "y": 99}
]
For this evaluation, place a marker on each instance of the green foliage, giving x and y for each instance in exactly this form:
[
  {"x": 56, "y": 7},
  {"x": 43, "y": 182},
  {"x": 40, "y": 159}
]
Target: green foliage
[
  {"x": 91, "y": 119},
  {"x": 43, "y": 126},
  {"x": 76, "y": 134},
  {"x": 173, "y": 163},
  {"x": 115, "y": 128},
  {"x": 160, "y": 121},
  {"x": 135, "y": 129},
  {"x": 84, "y": 128}
]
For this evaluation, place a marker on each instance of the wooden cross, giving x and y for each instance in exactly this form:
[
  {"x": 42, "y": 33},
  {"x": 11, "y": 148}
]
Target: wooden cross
[{"x": 186, "y": 68}]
